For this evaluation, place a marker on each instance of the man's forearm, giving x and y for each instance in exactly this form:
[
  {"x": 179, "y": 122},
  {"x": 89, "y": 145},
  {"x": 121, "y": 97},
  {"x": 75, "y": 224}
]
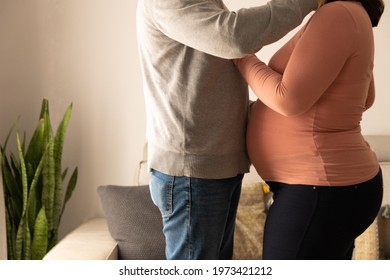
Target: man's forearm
[{"x": 211, "y": 28}]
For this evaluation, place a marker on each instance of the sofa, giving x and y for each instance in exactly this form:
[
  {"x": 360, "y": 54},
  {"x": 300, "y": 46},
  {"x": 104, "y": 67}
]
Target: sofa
[
  {"x": 3, "y": 240},
  {"x": 131, "y": 226}
]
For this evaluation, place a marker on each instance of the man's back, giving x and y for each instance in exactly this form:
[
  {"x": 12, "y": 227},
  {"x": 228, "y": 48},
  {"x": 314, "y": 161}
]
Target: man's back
[{"x": 196, "y": 100}]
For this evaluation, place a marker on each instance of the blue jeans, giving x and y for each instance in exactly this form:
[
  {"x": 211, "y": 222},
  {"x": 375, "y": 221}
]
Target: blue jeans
[{"x": 198, "y": 215}]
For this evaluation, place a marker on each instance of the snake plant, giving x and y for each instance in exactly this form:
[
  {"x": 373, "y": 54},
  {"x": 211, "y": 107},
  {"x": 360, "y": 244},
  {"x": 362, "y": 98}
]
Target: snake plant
[{"x": 33, "y": 184}]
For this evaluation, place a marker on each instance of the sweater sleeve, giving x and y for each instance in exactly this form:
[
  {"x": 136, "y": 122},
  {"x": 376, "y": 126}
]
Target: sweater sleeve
[
  {"x": 208, "y": 26},
  {"x": 318, "y": 56}
]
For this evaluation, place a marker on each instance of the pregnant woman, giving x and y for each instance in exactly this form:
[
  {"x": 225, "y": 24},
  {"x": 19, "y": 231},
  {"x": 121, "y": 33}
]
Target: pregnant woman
[{"x": 304, "y": 136}]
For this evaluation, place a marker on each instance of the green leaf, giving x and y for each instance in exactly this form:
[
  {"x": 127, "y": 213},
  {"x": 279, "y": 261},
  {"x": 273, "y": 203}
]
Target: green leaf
[
  {"x": 16, "y": 169},
  {"x": 40, "y": 236},
  {"x": 35, "y": 148},
  {"x": 23, "y": 239},
  {"x": 11, "y": 187},
  {"x": 48, "y": 171},
  {"x": 44, "y": 108},
  {"x": 58, "y": 147},
  {"x": 33, "y": 188},
  {"x": 11, "y": 232},
  {"x": 27, "y": 241},
  {"x": 48, "y": 183},
  {"x": 20, "y": 239},
  {"x": 24, "y": 173},
  {"x": 70, "y": 188},
  {"x": 33, "y": 196},
  {"x": 8, "y": 136},
  {"x": 64, "y": 173}
]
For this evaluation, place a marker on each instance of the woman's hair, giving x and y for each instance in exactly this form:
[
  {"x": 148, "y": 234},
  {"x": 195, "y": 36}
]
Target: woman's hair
[{"x": 374, "y": 8}]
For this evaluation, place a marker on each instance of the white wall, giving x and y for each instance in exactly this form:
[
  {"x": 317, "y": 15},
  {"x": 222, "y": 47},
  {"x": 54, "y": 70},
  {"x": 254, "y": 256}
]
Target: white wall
[{"x": 85, "y": 52}]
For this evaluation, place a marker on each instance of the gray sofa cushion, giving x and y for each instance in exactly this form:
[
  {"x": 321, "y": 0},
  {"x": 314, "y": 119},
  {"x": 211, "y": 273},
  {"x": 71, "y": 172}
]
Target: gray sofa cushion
[{"x": 134, "y": 221}]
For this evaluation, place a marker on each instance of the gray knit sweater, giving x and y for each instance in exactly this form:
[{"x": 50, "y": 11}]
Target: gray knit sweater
[{"x": 196, "y": 100}]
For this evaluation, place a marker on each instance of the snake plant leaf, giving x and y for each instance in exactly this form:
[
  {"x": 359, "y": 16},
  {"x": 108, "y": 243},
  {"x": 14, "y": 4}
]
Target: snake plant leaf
[
  {"x": 48, "y": 131},
  {"x": 32, "y": 206},
  {"x": 11, "y": 187},
  {"x": 24, "y": 173},
  {"x": 11, "y": 232},
  {"x": 58, "y": 148},
  {"x": 8, "y": 136},
  {"x": 35, "y": 148},
  {"x": 40, "y": 236},
  {"x": 48, "y": 171},
  {"x": 61, "y": 131},
  {"x": 16, "y": 173},
  {"x": 27, "y": 241},
  {"x": 64, "y": 173},
  {"x": 44, "y": 108},
  {"x": 34, "y": 199},
  {"x": 33, "y": 182},
  {"x": 21, "y": 242},
  {"x": 70, "y": 188},
  {"x": 48, "y": 183},
  {"x": 23, "y": 143},
  {"x": 23, "y": 247},
  {"x": 16, "y": 168},
  {"x": 60, "y": 136}
]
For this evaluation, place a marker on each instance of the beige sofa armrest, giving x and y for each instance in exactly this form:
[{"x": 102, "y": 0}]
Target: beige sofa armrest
[{"x": 90, "y": 241}]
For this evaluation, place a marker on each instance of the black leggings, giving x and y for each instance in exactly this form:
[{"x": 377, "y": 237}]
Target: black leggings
[{"x": 319, "y": 223}]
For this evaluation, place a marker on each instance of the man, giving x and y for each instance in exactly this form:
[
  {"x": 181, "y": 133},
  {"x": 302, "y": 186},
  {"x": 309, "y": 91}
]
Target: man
[{"x": 197, "y": 111}]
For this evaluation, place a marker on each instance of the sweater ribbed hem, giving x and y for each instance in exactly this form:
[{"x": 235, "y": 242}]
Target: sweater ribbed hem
[{"x": 207, "y": 166}]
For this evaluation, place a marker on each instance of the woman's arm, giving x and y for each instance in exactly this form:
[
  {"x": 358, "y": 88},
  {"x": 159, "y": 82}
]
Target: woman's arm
[{"x": 314, "y": 62}]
